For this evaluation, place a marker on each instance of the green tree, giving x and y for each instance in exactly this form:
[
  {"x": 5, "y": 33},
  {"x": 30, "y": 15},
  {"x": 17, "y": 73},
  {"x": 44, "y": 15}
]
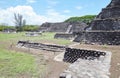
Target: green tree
[
  {"x": 3, "y": 27},
  {"x": 19, "y": 21}
]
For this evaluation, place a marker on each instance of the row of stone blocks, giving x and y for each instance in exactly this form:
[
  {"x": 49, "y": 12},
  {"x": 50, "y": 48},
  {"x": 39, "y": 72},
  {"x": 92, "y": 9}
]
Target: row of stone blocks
[
  {"x": 71, "y": 54},
  {"x": 54, "y": 48},
  {"x": 64, "y": 36},
  {"x": 99, "y": 37}
]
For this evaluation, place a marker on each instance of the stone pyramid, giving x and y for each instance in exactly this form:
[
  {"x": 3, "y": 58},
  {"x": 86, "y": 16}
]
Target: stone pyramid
[
  {"x": 109, "y": 18},
  {"x": 105, "y": 28}
]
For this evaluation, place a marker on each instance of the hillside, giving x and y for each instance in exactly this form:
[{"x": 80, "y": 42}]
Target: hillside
[{"x": 86, "y": 19}]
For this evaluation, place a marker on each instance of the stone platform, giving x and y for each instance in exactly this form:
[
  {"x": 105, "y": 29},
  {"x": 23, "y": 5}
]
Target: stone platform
[
  {"x": 67, "y": 36},
  {"x": 99, "y": 37}
]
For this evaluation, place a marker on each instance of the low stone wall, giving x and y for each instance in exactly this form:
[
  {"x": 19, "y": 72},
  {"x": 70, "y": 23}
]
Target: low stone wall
[
  {"x": 71, "y": 54},
  {"x": 64, "y": 36},
  {"x": 33, "y": 33},
  {"x": 54, "y": 48},
  {"x": 99, "y": 37}
]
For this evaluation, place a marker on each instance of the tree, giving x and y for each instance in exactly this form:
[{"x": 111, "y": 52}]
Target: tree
[{"x": 19, "y": 21}]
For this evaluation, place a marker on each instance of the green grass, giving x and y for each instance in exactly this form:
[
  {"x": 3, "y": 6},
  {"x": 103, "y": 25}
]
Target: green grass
[
  {"x": 49, "y": 37},
  {"x": 13, "y": 64}
]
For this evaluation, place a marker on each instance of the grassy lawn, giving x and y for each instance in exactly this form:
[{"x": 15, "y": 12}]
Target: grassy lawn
[
  {"x": 17, "y": 64},
  {"x": 14, "y": 64},
  {"x": 49, "y": 37}
]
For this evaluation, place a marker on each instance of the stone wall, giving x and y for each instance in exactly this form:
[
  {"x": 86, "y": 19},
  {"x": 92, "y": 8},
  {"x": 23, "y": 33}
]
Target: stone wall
[
  {"x": 109, "y": 18},
  {"x": 64, "y": 36},
  {"x": 63, "y": 27},
  {"x": 71, "y": 54},
  {"x": 99, "y": 37},
  {"x": 106, "y": 24},
  {"x": 47, "y": 47}
]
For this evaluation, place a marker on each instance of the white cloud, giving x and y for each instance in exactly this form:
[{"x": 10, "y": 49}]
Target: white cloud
[
  {"x": 66, "y": 11},
  {"x": 78, "y": 7},
  {"x": 7, "y": 15},
  {"x": 31, "y": 1},
  {"x": 54, "y": 16}
]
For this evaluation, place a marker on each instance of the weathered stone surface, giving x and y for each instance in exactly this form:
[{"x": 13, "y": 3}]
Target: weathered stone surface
[
  {"x": 105, "y": 28},
  {"x": 107, "y": 24},
  {"x": 67, "y": 27},
  {"x": 110, "y": 38},
  {"x": 99, "y": 37},
  {"x": 64, "y": 36},
  {"x": 47, "y": 47},
  {"x": 109, "y": 18},
  {"x": 84, "y": 68},
  {"x": 73, "y": 54}
]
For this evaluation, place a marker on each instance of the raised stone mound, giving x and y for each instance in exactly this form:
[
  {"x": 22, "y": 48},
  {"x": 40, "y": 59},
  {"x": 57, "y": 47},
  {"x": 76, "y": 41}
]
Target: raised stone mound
[
  {"x": 109, "y": 18},
  {"x": 64, "y": 36},
  {"x": 65, "y": 27}
]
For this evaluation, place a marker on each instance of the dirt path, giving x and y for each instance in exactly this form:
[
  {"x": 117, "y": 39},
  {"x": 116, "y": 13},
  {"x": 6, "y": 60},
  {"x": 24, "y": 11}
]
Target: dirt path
[{"x": 56, "y": 68}]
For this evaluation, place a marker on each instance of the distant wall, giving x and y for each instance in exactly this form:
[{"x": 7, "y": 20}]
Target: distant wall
[
  {"x": 63, "y": 27},
  {"x": 64, "y": 36},
  {"x": 100, "y": 37}
]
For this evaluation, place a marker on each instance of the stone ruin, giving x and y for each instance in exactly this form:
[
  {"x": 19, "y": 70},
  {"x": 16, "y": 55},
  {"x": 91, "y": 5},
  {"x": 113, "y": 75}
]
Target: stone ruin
[
  {"x": 109, "y": 18},
  {"x": 86, "y": 63},
  {"x": 63, "y": 30},
  {"x": 83, "y": 62},
  {"x": 63, "y": 27},
  {"x": 71, "y": 54},
  {"x": 33, "y": 33},
  {"x": 47, "y": 47},
  {"x": 67, "y": 36},
  {"x": 98, "y": 37},
  {"x": 105, "y": 28}
]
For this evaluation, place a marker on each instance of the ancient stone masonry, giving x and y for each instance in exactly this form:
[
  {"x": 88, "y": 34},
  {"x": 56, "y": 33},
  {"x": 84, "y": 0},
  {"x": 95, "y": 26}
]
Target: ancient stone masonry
[
  {"x": 64, "y": 36},
  {"x": 105, "y": 28},
  {"x": 99, "y": 37},
  {"x": 54, "y": 48},
  {"x": 109, "y": 18},
  {"x": 64, "y": 27},
  {"x": 71, "y": 54},
  {"x": 86, "y": 63}
]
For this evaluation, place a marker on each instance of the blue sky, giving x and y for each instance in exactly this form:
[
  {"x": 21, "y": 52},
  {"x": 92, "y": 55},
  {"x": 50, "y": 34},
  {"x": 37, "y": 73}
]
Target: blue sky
[{"x": 40, "y": 11}]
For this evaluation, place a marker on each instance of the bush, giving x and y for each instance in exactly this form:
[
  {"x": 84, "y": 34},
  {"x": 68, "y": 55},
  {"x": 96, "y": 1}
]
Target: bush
[
  {"x": 2, "y": 27},
  {"x": 30, "y": 28}
]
